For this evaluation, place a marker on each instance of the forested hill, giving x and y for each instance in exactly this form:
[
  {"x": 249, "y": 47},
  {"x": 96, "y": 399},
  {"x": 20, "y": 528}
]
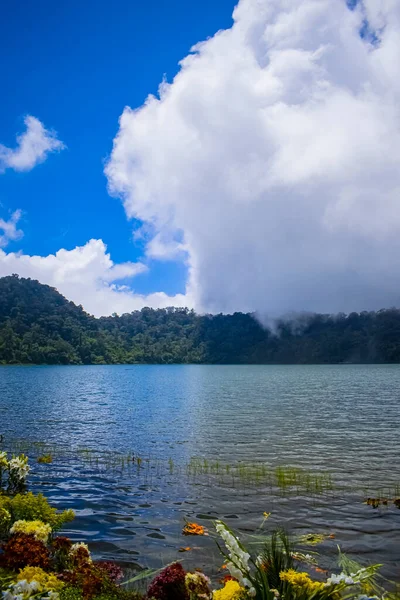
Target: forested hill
[{"x": 39, "y": 326}]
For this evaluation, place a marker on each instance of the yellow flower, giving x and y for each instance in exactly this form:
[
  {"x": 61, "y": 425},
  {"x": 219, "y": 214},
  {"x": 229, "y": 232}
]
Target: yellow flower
[
  {"x": 48, "y": 582},
  {"x": 303, "y": 580},
  {"x": 38, "y": 529},
  {"x": 231, "y": 591}
]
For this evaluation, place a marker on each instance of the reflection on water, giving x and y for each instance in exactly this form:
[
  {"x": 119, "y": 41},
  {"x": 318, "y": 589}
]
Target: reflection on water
[{"x": 340, "y": 419}]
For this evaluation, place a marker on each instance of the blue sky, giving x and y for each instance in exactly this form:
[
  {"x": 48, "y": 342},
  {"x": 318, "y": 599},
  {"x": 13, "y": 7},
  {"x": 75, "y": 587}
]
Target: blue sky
[
  {"x": 265, "y": 170},
  {"x": 74, "y": 65}
]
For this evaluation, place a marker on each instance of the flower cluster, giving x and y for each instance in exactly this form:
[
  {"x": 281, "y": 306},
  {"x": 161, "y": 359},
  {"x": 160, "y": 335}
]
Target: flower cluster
[
  {"x": 231, "y": 591},
  {"x": 36, "y": 565},
  {"x": 360, "y": 577},
  {"x": 80, "y": 554},
  {"x": 198, "y": 586},
  {"x": 38, "y": 529},
  {"x": 22, "y": 590},
  {"x": 113, "y": 571},
  {"x": 16, "y": 469},
  {"x": 194, "y": 529},
  {"x": 170, "y": 584},
  {"x": 342, "y": 577},
  {"x": 301, "y": 580},
  {"x": 22, "y": 550},
  {"x": 238, "y": 558},
  {"x": 47, "y": 581}
]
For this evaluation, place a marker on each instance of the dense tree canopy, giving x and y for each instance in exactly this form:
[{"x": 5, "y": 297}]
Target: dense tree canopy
[{"x": 39, "y": 326}]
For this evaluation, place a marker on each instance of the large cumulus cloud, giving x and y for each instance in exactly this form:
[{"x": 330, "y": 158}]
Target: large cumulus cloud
[{"x": 272, "y": 159}]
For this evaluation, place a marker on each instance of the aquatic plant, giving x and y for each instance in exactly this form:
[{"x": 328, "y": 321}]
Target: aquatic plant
[
  {"x": 377, "y": 502},
  {"x": 313, "y": 539},
  {"x": 45, "y": 459},
  {"x": 54, "y": 568}
]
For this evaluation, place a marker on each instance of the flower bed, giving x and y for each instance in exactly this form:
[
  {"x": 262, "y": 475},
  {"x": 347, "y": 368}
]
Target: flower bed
[{"x": 36, "y": 562}]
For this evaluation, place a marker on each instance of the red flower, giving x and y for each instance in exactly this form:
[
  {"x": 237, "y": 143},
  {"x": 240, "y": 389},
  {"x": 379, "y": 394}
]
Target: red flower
[
  {"x": 22, "y": 550},
  {"x": 111, "y": 570},
  {"x": 169, "y": 584}
]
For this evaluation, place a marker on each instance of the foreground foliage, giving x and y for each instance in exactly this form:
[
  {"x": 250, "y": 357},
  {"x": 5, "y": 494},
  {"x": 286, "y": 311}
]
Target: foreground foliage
[
  {"x": 35, "y": 563},
  {"x": 39, "y": 326}
]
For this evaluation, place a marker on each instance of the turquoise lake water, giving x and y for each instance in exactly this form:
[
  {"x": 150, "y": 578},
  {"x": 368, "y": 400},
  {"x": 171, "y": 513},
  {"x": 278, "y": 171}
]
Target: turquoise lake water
[{"x": 344, "y": 420}]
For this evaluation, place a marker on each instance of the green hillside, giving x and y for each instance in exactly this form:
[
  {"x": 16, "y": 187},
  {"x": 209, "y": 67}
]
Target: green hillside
[{"x": 39, "y": 326}]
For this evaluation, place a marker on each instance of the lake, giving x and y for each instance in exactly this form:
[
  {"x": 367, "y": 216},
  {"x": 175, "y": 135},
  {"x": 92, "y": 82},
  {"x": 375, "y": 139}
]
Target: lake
[{"x": 139, "y": 449}]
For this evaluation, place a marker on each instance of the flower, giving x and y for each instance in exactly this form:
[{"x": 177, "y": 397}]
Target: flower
[
  {"x": 341, "y": 578},
  {"x": 38, "y": 529},
  {"x": 303, "y": 580},
  {"x": 22, "y": 550},
  {"x": 22, "y": 590},
  {"x": 170, "y": 584},
  {"x": 198, "y": 585},
  {"x": 111, "y": 570},
  {"x": 193, "y": 529},
  {"x": 231, "y": 591},
  {"x": 18, "y": 466},
  {"x": 3, "y": 460},
  {"x": 47, "y": 581},
  {"x": 301, "y": 557},
  {"x": 80, "y": 553},
  {"x": 238, "y": 565}
]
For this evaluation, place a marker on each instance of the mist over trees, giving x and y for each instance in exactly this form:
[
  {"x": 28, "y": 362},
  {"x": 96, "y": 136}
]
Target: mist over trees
[{"x": 39, "y": 326}]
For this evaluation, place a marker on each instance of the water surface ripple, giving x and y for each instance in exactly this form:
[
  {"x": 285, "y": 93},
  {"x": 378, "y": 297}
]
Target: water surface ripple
[{"x": 342, "y": 419}]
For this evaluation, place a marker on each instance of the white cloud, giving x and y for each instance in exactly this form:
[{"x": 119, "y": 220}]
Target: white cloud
[
  {"x": 275, "y": 155},
  {"x": 33, "y": 146},
  {"x": 88, "y": 276},
  {"x": 8, "y": 229}
]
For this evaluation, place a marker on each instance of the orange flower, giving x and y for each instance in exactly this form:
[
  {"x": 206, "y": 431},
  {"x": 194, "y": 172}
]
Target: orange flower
[{"x": 193, "y": 529}]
